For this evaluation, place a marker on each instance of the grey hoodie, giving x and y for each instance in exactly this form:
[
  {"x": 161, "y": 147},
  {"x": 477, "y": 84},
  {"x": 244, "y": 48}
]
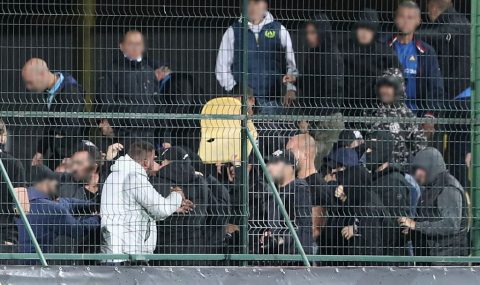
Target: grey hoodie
[{"x": 450, "y": 204}]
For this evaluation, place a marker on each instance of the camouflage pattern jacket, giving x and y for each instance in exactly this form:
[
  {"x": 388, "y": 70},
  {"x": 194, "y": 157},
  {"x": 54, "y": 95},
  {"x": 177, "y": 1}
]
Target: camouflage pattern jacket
[{"x": 409, "y": 138}]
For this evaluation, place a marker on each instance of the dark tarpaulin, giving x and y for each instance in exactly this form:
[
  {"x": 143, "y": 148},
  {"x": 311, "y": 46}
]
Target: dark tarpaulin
[{"x": 238, "y": 275}]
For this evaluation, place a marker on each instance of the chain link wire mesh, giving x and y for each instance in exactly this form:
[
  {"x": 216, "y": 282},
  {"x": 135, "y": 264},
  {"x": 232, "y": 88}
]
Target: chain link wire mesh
[{"x": 124, "y": 132}]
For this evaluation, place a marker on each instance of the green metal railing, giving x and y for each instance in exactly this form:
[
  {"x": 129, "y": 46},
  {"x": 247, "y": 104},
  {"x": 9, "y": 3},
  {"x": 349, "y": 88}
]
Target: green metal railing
[
  {"x": 475, "y": 126},
  {"x": 246, "y": 137}
]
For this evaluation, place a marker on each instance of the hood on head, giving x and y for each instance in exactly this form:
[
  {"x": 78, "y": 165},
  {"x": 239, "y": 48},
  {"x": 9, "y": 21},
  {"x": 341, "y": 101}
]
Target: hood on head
[
  {"x": 393, "y": 77},
  {"x": 381, "y": 144},
  {"x": 431, "y": 161},
  {"x": 342, "y": 157},
  {"x": 367, "y": 18},
  {"x": 324, "y": 30}
]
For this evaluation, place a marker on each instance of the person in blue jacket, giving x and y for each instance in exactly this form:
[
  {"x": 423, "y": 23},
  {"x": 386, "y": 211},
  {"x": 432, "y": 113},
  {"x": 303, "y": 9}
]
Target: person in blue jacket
[
  {"x": 424, "y": 81},
  {"x": 53, "y": 220}
]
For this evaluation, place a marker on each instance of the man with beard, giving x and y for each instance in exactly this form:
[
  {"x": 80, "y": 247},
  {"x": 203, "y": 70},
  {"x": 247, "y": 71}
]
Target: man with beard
[
  {"x": 365, "y": 59},
  {"x": 84, "y": 178},
  {"x": 441, "y": 226},
  {"x": 183, "y": 234},
  {"x": 356, "y": 220},
  {"x": 84, "y": 182},
  {"x": 295, "y": 195},
  {"x": 390, "y": 185}
]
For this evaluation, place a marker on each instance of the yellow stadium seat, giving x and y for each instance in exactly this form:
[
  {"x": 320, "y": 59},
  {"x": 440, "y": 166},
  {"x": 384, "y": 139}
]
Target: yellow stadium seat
[{"x": 221, "y": 139}]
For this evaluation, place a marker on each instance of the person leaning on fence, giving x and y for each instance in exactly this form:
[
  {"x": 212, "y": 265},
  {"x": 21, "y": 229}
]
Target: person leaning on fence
[
  {"x": 270, "y": 56},
  {"x": 130, "y": 205},
  {"x": 304, "y": 148},
  {"x": 390, "y": 185},
  {"x": 441, "y": 226},
  {"x": 366, "y": 57},
  {"x": 52, "y": 219},
  {"x": 392, "y": 112},
  {"x": 62, "y": 94},
  {"x": 355, "y": 223},
  {"x": 16, "y": 172},
  {"x": 295, "y": 195}
]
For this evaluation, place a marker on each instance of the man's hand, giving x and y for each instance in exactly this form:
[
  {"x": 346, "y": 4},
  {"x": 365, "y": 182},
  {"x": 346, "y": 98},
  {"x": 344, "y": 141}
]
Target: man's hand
[
  {"x": 105, "y": 128},
  {"x": 348, "y": 232},
  {"x": 178, "y": 190},
  {"x": 113, "y": 150},
  {"x": 288, "y": 78},
  {"x": 186, "y": 206},
  {"x": 330, "y": 177},
  {"x": 290, "y": 96},
  {"x": 406, "y": 223},
  {"x": 37, "y": 159},
  {"x": 303, "y": 127}
]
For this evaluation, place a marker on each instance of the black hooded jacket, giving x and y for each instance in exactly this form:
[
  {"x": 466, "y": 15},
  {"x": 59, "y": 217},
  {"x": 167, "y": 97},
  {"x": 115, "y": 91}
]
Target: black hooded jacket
[
  {"x": 321, "y": 83},
  {"x": 363, "y": 64},
  {"x": 361, "y": 209},
  {"x": 449, "y": 35},
  {"x": 179, "y": 231}
]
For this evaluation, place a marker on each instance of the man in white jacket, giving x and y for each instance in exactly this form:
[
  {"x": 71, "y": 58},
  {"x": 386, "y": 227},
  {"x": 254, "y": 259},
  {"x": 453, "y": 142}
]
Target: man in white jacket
[
  {"x": 130, "y": 205},
  {"x": 270, "y": 56}
]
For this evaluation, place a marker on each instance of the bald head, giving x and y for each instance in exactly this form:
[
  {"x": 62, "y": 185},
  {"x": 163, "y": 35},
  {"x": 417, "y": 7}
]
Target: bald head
[
  {"x": 304, "y": 148},
  {"x": 36, "y": 75}
]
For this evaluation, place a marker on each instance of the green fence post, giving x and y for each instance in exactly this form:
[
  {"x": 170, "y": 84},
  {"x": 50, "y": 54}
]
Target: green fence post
[
  {"x": 278, "y": 199},
  {"x": 475, "y": 128},
  {"x": 22, "y": 214},
  {"x": 245, "y": 188}
]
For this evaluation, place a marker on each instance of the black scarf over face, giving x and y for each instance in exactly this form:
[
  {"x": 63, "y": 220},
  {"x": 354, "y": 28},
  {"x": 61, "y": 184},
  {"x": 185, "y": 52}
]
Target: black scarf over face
[{"x": 381, "y": 150}]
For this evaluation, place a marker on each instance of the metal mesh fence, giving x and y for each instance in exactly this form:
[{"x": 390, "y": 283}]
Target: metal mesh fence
[{"x": 245, "y": 132}]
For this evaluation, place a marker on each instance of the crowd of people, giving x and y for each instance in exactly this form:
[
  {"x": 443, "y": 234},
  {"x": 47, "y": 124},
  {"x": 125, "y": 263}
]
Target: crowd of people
[{"x": 139, "y": 186}]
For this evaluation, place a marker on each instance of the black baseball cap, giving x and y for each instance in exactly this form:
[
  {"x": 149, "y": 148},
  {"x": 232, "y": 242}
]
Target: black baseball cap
[
  {"x": 282, "y": 155},
  {"x": 174, "y": 153}
]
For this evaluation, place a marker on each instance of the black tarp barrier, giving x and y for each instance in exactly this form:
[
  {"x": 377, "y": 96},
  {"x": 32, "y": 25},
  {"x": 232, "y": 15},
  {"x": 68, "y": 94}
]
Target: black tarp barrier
[{"x": 238, "y": 275}]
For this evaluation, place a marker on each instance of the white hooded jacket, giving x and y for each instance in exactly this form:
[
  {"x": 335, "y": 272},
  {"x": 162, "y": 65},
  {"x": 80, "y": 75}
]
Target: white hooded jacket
[{"x": 129, "y": 208}]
